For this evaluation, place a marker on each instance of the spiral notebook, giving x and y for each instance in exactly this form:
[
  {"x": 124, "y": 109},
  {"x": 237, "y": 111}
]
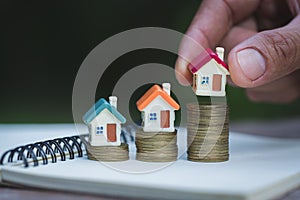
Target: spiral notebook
[{"x": 259, "y": 168}]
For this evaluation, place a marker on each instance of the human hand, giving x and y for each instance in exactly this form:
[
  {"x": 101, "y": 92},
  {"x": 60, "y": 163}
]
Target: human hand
[{"x": 263, "y": 41}]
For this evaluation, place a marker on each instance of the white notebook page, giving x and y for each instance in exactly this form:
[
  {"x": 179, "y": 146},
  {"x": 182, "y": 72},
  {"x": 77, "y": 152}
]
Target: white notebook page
[{"x": 258, "y": 168}]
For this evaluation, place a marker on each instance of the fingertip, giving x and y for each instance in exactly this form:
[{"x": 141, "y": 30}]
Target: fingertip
[
  {"x": 183, "y": 75},
  {"x": 256, "y": 62},
  {"x": 237, "y": 75}
]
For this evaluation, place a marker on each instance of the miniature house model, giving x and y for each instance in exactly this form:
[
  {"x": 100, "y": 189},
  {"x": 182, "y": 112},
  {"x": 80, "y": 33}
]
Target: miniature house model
[
  {"x": 158, "y": 109},
  {"x": 209, "y": 73},
  {"x": 104, "y": 123}
]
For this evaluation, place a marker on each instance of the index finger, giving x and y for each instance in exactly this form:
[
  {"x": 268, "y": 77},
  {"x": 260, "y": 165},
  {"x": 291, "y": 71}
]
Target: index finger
[{"x": 211, "y": 23}]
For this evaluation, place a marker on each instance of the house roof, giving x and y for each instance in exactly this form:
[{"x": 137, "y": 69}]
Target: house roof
[
  {"x": 151, "y": 94},
  {"x": 98, "y": 107},
  {"x": 204, "y": 58}
]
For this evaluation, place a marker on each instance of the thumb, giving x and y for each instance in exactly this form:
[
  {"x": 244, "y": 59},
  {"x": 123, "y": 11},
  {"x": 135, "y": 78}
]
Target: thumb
[{"x": 266, "y": 56}]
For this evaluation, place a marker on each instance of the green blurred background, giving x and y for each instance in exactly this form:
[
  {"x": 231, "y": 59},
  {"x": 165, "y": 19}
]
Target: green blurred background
[{"x": 42, "y": 45}]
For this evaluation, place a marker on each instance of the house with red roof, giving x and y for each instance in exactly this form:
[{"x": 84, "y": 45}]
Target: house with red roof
[
  {"x": 158, "y": 109},
  {"x": 209, "y": 73}
]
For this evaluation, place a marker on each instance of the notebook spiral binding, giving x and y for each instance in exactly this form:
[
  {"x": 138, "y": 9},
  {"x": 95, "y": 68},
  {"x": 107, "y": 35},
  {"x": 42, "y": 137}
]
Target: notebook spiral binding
[{"x": 46, "y": 149}]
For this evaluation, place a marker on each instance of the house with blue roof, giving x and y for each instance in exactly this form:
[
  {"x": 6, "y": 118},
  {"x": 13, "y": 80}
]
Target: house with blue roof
[{"x": 104, "y": 123}]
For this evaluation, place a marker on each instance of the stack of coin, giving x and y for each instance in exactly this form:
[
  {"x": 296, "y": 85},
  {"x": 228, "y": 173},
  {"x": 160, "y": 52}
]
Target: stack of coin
[
  {"x": 208, "y": 132},
  {"x": 108, "y": 153},
  {"x": 156, "y": 146}
]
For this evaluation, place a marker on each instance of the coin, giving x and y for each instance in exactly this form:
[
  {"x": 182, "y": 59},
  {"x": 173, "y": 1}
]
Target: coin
[
  {"x": 208, "y": 132},
  {"x": 156, "y": 146},
  {"x": 108, "y": 153}
]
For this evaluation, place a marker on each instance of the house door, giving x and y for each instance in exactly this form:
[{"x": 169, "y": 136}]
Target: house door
[
  {"x": 111, "y": 133},
  {"x": 217, "y": 82},
  {"x": 165, "y": 119}
]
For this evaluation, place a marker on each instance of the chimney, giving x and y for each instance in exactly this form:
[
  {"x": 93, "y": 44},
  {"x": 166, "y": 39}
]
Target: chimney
[
  {"x": 113, "y": 101},
  {"x": 167, "y": 88},
  {"x": 220, "y": 52}
]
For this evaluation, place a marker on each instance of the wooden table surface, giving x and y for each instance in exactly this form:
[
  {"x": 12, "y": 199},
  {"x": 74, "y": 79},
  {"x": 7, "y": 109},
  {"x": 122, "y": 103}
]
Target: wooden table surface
[{"x": 282, "y": 128}]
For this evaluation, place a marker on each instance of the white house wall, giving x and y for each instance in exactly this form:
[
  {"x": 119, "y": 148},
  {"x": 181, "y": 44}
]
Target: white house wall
[
  {"x": 104, "y": 118},
  {"x": 156, "y": 106},
  {"x": 210, "y": 68}
]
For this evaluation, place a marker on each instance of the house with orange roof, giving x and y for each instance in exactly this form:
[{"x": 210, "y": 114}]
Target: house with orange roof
[
  {"x": 209, "y": 73},
  {"x": 158, "y": 109}
]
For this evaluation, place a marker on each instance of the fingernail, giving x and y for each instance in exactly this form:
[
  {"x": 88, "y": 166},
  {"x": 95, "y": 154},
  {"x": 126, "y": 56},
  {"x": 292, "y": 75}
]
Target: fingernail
[{"x": 252, "y": 63}]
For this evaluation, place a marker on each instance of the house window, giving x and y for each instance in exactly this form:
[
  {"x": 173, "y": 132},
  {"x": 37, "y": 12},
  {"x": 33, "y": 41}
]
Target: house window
[
  {"x": 205, "y": 80},
  {"x": 153, "y": 116},
  {"x": 99, "y": 130}
]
